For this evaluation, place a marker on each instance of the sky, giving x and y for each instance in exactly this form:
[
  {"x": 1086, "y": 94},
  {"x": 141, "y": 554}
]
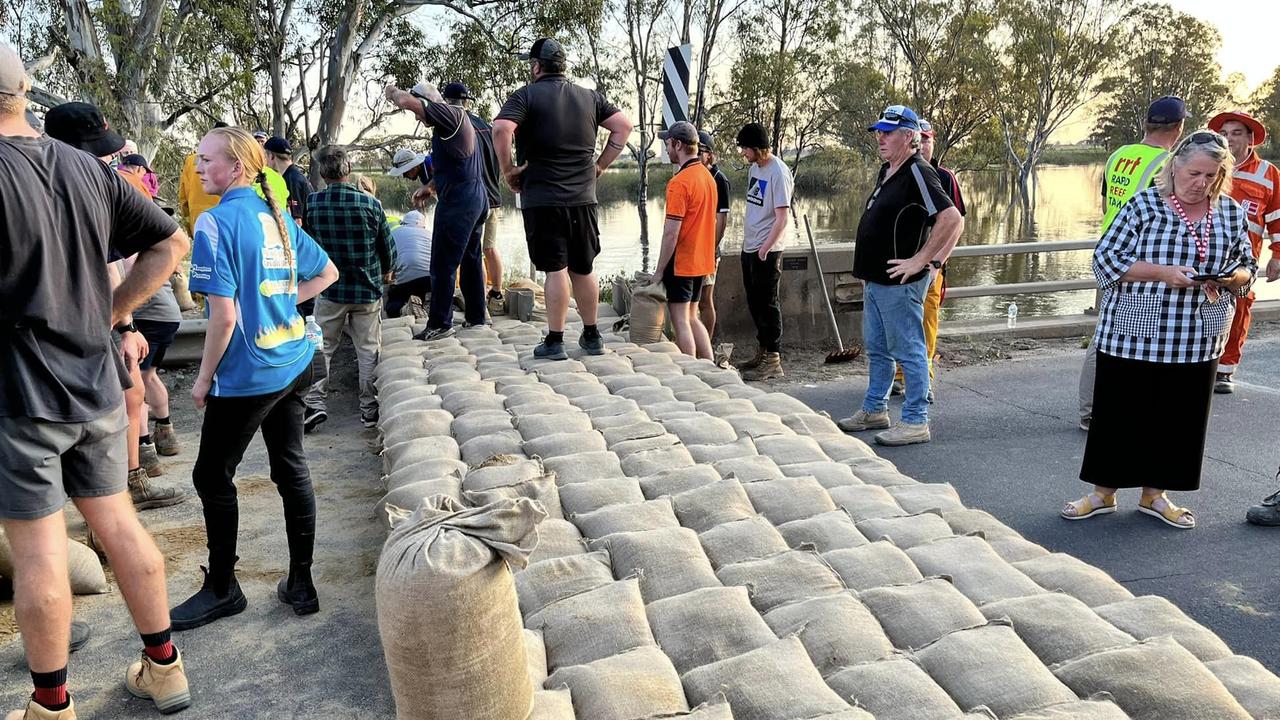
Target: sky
[{"x": 1249, "y": 44}]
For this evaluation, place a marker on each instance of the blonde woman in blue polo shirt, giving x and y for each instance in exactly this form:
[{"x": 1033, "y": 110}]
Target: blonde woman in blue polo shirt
[{"x": 255, "y": 265}]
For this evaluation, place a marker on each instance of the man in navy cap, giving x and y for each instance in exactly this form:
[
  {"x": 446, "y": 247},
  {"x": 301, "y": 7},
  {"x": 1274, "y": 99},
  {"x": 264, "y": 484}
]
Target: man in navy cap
[
  {"x": 905, "y": 235},
  {"x": 280, "y": 158},
  {"x": 458, "y": 95},
  {"x": 707, "y": 303}
]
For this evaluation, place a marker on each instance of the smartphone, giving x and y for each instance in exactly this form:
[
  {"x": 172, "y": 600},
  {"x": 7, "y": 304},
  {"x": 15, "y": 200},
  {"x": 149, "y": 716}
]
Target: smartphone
[{"x": 1223, "y": 275}]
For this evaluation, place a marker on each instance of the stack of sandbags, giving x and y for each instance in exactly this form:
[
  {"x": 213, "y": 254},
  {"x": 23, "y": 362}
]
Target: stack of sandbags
[{"x": 83, "y": 567}]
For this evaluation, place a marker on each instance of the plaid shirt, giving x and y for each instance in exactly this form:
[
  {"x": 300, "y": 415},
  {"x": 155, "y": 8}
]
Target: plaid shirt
[
  {"x": 1149, "y": 320},
  {"x": 353, "y": 230}
]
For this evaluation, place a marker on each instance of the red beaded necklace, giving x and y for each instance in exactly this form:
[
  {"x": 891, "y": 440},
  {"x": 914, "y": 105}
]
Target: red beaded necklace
[{"x": 1202, "y": 242}]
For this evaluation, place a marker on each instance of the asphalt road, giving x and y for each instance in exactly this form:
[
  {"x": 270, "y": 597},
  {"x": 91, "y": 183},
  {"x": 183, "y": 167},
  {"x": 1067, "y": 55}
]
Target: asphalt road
[{"x": 1005, "y": 436}]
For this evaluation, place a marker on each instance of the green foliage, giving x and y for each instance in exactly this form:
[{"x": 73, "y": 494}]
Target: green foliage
[{"x": 1266, "y": 106}]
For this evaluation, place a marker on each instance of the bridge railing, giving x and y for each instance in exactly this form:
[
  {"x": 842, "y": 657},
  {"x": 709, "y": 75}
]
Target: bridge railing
[{"x": 1043, "y": 286}]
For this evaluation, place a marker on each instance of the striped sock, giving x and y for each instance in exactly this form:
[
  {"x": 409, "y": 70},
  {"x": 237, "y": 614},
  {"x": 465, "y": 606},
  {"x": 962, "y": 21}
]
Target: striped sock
[
  {"x": 159, "y": 647},
  {"x": 51, "y": 689}
]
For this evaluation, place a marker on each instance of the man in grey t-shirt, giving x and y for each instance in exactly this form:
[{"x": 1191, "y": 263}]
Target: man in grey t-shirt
[{"x": 769, "y": 191}]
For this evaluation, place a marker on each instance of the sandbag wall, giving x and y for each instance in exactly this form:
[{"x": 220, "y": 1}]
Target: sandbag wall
[{"x": 713, "y": 546}]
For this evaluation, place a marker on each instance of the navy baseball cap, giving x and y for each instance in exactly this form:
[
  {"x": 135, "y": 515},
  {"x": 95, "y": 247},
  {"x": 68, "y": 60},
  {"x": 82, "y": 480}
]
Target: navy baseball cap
[
  {"x": 705, "y": 142},
  {"x": 456, "y": 91},
  {"x": 896, "y": 117},
  {"x": 544, "y": 49},
  {"x": 278, "y": 145},
  {"x": 1168, "y": 109},
  {"x": 136, "y": 160}
]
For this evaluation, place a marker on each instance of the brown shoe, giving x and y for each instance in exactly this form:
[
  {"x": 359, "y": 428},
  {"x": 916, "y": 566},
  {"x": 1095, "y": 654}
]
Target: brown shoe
[
  {"x": 754, "y": 362},
  {"x": 147, "y": 496},
  {"x": 165, "y": 440},
  {"x": 165, "y": 685},
  {"x": 770, "y": 367},
  {"x": 150, "y": 459},
  {"x": 36, "y": 711}
]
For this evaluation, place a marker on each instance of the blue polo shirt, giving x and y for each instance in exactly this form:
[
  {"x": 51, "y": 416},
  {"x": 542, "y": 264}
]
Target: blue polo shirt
[{"x": 237, "y": 253}]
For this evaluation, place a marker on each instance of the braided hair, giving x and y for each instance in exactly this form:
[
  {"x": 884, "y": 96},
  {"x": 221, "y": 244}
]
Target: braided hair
[{"x": 241, "y": 146}]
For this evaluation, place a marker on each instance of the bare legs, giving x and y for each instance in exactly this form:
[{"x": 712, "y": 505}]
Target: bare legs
[
  {"x": 586, "y": 290},
  {"x": 691, "y": 335}
]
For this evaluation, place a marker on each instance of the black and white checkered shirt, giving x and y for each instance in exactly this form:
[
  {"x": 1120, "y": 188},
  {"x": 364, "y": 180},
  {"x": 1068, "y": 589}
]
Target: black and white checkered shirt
[{"x": 1149, "y": 320}]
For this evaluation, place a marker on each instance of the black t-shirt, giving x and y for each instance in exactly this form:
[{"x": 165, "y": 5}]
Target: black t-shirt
[
  {"x": 896, "y": 223},
  {"x": 723, "y": 188},
  {"x": 299, "y": 188},
  {"x": 492, "y": 172},
  {"x": 456, "y": 167},
  {"x": 557, "y": 136},
  {"x": 62, "y": 212}
]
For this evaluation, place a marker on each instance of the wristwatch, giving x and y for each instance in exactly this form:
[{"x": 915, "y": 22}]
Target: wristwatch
[
  {"x": 937, "y": 264},
  {"x": 123, "y": 328}
]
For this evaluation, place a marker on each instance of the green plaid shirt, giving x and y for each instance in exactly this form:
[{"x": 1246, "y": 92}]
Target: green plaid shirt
[{"x": 353, "y": 230}]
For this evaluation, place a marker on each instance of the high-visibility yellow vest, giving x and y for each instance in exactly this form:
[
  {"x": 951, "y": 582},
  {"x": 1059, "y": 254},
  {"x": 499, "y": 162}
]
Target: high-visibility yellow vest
[{"x": 1129, "y": 171}]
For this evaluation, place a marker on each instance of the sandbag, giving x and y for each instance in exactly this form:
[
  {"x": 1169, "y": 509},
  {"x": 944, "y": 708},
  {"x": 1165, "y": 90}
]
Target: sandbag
[
  {"x": 708, "y": 625},
  {"x": 775, "y": 682},
  {"x": 1152, "y": 616},
  {"x": 754, "y": 424},
  {"x": 1057, "y": 627},
  {"x": 989, "y": 666},
  {"x": 500, "y": 471},
  {"x": 1253, "y": 686},
  {"x": 638, "y": 684},
  {"x": 404, "y": 396},
  {"x": 779, "y": 404},
  {"x": 741, "y": 540},
  {"x": 559, "y": 380},
  {"x": 453, "y": 372},
  {"x": 585, "y": 497},
  {"x": 536, "y": 658},
  {"x": 1078, "y": 710},
  {"x": 592, "y": 625},
  {"x": 670, "y": 410},
  {"x": 741, "y": 391},
  {"x": 864, "y": 502},
  {"x": 677, "y": 480},
  {"x": 714, "y": 504},
  {"x": 545, "y": 582},
  {"x": 895, "y": 688},
  {"x": 641, "y": 430},
  {"x": 786, "y": 499},
  {"x": 560, "y": 444},
  {"x": 974, "y": 567},
  {"x": 476, "y": 424},
  {"x": 818, "y": 425},
  {"x": 715, "y": 710},
  {"x": 605, "y": 365},
  {"x": 790, "y": 449},
  {"x": 620, "y": 382},
  {"x": 478, "y": 387},
  {"x": 409, "y": 496},
  {"x": 926, "y": 496},
  {"x": 424, "y": 470},
  {"x": 528, "y": 403},
  {"x": 828, "y": 473},
  {"x": 547, "y": 368},
  {"x": 584, "y": 467},
  {"x": 1063, "y": 573},
  {"x": 556, "y": 539},
  {"x": 697, "y": 396},
  {"x": 397, "y": 362},
  {"x": 535, "y": 426},
  {"x": 1016, "y": 549},
  {"x": 626, "y": 448},
  {"x": 448, "y": 566},
  {"x": 727, "y": 409},
  {"x": 631, "y": 416},
  {"x": 479, "y": 449},
  {"x": 743, "y": 447},
  {"x": 542, "y": 490},
  {"x": 971, "y": 521},
  {"x": 874, "y": 565},
  {"x": 749, "y": 469},
  {"x": 552, "y": 705},
  {"x": 388, "y": 391},
  {"x": 491, "y": 368},
  {"x": 668, "y": 561},
  {"x": 907, "y": 531},
  {"x": 917, "y": 614},
  {"x": 582, "y": 389},
  {"x": 415, "y": 451},
  {"x": 708, "y": 430},
  {"x": 648, "y": 359},
  {"x": 642, "y": 464},
  {"x": 836, "y": 630},
  {"x": 878, "y": 471},
  {"x": 1153, "y": 680},
  {"x": 782, "y": 578},
  {"x": 822, "y": 533},
  {"x": 628, "y": 517}
]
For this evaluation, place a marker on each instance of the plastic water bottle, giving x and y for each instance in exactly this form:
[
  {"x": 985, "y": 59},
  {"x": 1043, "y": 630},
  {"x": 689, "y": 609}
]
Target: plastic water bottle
[
  {"x": 314, "y": 336},
  {"x": 1013, "y": 315}
]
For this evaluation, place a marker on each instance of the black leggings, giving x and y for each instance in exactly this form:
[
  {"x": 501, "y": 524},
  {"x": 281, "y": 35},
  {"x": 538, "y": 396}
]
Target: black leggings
[{"x": 229, "y": 426}]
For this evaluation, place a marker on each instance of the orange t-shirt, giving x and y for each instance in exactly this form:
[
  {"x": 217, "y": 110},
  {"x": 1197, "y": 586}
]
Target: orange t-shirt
[
  {"x": 691, "y": 199},
  {"x": 135, "y": 181}
]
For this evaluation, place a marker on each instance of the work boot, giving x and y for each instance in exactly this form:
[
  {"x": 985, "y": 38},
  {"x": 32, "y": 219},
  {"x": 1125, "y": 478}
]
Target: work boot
[
  {"x": 150, "y": 459},
  {"x": 218, "y": 598},
  {"x": 146, "y": 496},
  {"x": 298, "y": 591},
  {"x": 770, "y": 367},
  {"x": 897, "y": 388},
  {"x": 36, "y": 711},
  {"x": 178, "y": 282},
  {"x": 593, "y": 345},
  {"x": 164, "y": 685},
  {"x": 1266, "y": 514},
  {"x": 904, "y": 434},
  {"x": 1223, "y": 385},
  {"x": 754, "y": 362},
  {"x": 166, "y": 440},
  {"x": 863, "y": 420},
  {"x": 550, "y": 350}
]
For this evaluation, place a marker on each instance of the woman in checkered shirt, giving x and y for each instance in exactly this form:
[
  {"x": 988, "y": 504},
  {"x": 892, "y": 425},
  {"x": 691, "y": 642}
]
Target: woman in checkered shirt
[{"x": 1161, "y": 329}]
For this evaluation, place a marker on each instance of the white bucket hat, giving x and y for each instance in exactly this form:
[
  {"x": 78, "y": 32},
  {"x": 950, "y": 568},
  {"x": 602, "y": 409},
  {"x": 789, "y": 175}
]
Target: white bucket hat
[{"x": 404, "y": 161}]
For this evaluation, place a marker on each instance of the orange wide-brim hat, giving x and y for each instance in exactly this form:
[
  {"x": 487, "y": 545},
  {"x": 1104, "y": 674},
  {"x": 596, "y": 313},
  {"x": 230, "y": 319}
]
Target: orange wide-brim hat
[{"x": 1259, "y": 132}]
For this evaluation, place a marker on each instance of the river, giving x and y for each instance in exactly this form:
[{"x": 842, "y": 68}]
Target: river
[{"x": 1067, "y": 208}]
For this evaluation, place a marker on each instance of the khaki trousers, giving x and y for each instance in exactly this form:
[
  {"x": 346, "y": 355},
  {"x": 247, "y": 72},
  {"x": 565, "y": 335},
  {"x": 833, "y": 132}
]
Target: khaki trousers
[{"x": 363, "y": 324}]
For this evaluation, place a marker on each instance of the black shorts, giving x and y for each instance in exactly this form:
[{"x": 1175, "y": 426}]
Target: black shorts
[
  {"x": 159, "y": 336},
  {"x": 681, "y": 289},
  {"x": 562, "y": 237}
]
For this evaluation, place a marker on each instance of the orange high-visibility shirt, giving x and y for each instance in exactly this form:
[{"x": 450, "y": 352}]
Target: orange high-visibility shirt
[{"x": 1255, "y": 184}]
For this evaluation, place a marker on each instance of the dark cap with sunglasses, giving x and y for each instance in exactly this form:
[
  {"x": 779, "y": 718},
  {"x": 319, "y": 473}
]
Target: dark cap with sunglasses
[{"x": 1166, "y": 110}]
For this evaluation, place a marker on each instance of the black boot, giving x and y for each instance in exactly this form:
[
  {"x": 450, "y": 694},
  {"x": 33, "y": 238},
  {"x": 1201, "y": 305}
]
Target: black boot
[
  {"x": 219, "y": 597},
  {"x": 298, "y": 591}
]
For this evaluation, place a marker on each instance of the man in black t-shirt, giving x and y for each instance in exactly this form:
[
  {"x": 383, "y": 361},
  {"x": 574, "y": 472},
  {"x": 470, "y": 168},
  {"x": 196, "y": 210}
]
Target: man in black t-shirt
[
  {"x": 707, "y": 303},
  {"x": 62, "y": 419},
  {"x": 553, "y": 123},
  {"x": 908, "y": 230}
]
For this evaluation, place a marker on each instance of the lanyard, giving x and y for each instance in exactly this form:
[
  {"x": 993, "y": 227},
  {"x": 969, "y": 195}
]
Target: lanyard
[{"x": 1202, "y": 242}]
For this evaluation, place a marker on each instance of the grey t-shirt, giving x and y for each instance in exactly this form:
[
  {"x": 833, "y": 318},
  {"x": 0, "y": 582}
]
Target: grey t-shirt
[
  {"x": 413, "y": 247},
  {"x": 768, "y": 188},
  {"x": 161, "y": 307},
  {"x": 62, "y": 212}
]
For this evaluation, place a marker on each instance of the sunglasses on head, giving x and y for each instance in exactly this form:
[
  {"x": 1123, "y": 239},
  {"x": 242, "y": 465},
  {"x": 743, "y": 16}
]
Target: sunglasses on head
[{"x": 1207, "y": 137}]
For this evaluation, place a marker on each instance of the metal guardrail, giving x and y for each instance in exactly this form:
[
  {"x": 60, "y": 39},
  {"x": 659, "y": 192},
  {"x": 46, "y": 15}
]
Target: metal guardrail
[{"x": 1044, "y": 286}]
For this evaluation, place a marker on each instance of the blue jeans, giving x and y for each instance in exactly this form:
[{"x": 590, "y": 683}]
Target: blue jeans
[
  {"x": 456, "y": 247},
  {"x": 893, "y": 330}
]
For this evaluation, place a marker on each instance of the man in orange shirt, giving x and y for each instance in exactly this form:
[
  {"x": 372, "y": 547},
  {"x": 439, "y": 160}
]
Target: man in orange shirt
[
  {"x": 1255, "y": 184},
  {"x": 688, "y": 251}
]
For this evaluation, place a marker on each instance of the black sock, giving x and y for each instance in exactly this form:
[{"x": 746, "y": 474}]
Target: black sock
[
  {"x": 144, "y": 439},
  {"x": 590, "y": 331},
  {"x": 51, "y": 689},
  {"x": 555, "y": 336},
  {"x": 163, "y": 421}
]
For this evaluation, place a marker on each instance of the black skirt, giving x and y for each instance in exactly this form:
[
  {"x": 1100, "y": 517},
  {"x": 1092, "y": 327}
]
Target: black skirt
[{"x": 1149, "y": 424}]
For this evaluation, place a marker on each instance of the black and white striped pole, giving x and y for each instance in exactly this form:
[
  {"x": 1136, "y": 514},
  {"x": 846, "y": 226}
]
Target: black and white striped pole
[{"x": 675, "y": 87}]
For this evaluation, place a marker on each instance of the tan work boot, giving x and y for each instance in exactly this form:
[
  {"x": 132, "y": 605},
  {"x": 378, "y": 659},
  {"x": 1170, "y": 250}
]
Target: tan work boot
[
  {"x": 150, "y": 459},
  {"x": 905, "y": 434},
  {"x": 165, "y": 685},
  {"x": 165, "y": 440},
  {"x": 754, "y": 362},
  {"x": 146, "y": 496},
  {"x": 770, "y": 367},
  {"x": 36, "y": 711},
  {"x": 178, "y": 282},
  {"x": 863, "y": 420}
]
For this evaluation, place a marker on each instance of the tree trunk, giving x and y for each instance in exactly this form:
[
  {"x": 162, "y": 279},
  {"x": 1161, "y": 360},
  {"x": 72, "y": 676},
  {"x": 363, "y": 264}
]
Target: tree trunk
[
  {"x": 778, "y": 90},
  {"x": 340, "y": 75}
]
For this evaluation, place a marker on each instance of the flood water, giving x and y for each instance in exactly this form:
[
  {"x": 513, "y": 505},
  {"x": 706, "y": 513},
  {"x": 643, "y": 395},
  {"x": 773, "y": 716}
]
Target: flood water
[{"x": 1066, "y": 207}]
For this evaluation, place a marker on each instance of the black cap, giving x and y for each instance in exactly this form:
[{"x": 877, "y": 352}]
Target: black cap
[
  {"x": 706, "y": 142},
  {"x": 456, "y": 91},
  {"x": 81, "y": 125},
  {"x": 136, "y": 160},
  {"x": 544, "y": 49},
  {"x": 684, "y": 131},
  {"x": 753, "y": 135},
  {"x": 1168, "y": 109},
  {"x": 278, "y": 145},
  {"x": 219, "y": 124}
]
